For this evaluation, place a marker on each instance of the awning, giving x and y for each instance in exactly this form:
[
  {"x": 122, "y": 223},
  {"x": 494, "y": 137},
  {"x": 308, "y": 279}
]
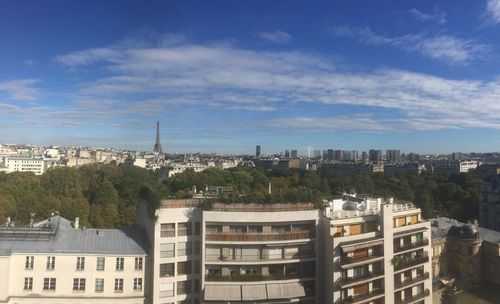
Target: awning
[
  {"x": 285, "y": 291},
  {"x": 411, "y": 231},
  {"x": 222, "y": 293},
  {"x": 253, "y": 292},
  {"x": 360, "y": 244}
]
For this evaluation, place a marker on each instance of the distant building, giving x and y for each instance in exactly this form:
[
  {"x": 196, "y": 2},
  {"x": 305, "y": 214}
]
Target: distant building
[
  {"x": 329, "y": 154},
  {"x": 57, "y": 262},
  {"x": 338, "y": 155},
  {"x": 393, "y": 156},
  {"x": 294, "y": 154},
  {"x": 287, "y": 153},
  {"x": 456, "y": 156},
  {"x": 257, "y": 151},
  {"x": 453, "y": 167},
  {"x": 375, "y": 155},
  {"x": 489, "y": 204},
  {"x": 408, "y": 168},
  {"x": 25, "y": 164}
]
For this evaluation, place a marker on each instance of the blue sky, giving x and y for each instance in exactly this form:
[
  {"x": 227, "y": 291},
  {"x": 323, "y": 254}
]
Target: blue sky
[{"x": 224, "y": 76}]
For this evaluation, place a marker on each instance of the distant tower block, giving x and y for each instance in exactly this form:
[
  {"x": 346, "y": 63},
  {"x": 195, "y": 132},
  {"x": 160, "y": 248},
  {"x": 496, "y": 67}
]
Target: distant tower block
[{"x": 157, "y": 147}]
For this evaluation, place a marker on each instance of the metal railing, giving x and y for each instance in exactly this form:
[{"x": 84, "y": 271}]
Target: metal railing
[
  {"x": 409, "y": 262},
  {"x": 350, "y": 260},
  {"x": 249, "y": 237},
  {"x": 253, "y": 257},
  {"x": 256, "y": 277},
  {"x": 423, "y": 242},
  {"x": 416, "y": 279},
  {"x": 367, "y": 276},
  {"x": 413, "y": 298},
  {"x": 363, "y": 296}
]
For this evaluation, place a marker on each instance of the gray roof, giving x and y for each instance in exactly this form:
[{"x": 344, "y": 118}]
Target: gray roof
[
  {"x": 57, "y": 235},
  {"x": 441, "y": 226}
]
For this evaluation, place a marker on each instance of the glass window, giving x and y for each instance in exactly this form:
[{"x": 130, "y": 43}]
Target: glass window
[
  {"x": 167, "y": 250},
  {"x": 237, "y": 229},
  {"x": 51, "y": 263},
  {"x": 197, "y": 247},
  {"x": 80, "y": 263},
  {"x": 250, "y": 253},
  {"x": 167, "y": 270},
  {"x": 280, "y": 228},
  {"x": 29, "y": 262},
  {"x": 197, "y": 286},
  {"x": 118, "y": 285},
  {"x": 138, "y": 263},
  {"x": 197, "y": 266},
  {"x": 214, "y": 228},
  {"x": 49, "y": 284},
  {"x": 138, "y": 284},
  {"x": 119, "y": 263},
  {"x": 79, "y": 284},
  {"x": 183, "y": 267},
  {"x": 99, "y": 285},
  {"x": 183, "y": 248},
  {"x": 275, "y": 253},
  {"x": 167, "y": 230},
  {"x": 197, "y": 228},
  {"x": 100, "y": 263},
  {"x": 255, "y": 229},
  {"x": 166, "y": 290},
  {"x": 183, "y": 287},
  {"x": 28, "y": 283},
  {"x": 184, "y": 229}
]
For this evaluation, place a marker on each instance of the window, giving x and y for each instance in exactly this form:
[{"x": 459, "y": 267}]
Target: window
[
  {"x": 197, "y": 286},
  {"x": 28, "y": 283},
  {"x": 49, "y": 284},
  {"x": 197, "y": 228},
  {"x": 80, "y": 263},
  {"x": 275, "y": 253},
  {"x": 183, "y": 248},
  {"x": 183, "y": 287},
  {"x": 29, "y": 262},
  {"x": 184, "y": 229},
  {"x": 100, "y": 263},
  {"x": 166, "y": 290},
  {"x": 183, "y": 267},
  {"x": 280, "y": 228},
  {"x": 118, "y": 285},
  {"x": 79, "y": 284},
  {"x": 197, "y": 266},
  {"x": 167, "y": 230},
  {"x": 166, "y": 270},
  {"x": 138, "y": 263},
  {"x": 99, "y": 285},
  {"x": 119, "y": 263},
  {"x": 255, "y": 229},
  {"x": 138, "y": 284},
  {"x": 214, "y": 228},
  {"x": 197, "y": 247},
  {"x": 167, "y": 250},
  {"x": 237, "y": 229},
  {"x": 51, "y": 263}
]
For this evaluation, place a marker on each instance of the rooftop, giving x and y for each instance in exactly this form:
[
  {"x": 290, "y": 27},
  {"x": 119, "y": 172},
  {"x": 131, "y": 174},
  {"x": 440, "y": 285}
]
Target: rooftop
[
  {"x": 443, "y": 227},
  {"x": 238, "y": 207},
  {"x": 57, "y": 235}
]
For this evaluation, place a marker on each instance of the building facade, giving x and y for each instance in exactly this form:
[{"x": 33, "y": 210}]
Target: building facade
[
  {"x": 377, "y": 252},
  {"x": 56, "y": 262}
]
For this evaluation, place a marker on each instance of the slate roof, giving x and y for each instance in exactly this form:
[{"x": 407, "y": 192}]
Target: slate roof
[
  {"x": 441, "y": 227},
  {"x": 57, "y": 235}
]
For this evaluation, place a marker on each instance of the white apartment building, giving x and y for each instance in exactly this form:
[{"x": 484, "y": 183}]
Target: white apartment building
[
  {"x": 56, "y": 262},
  {"x": 377, "y": 251},
  {"x": 233, "y": 253},
  {"x": 25, "y": 164}
]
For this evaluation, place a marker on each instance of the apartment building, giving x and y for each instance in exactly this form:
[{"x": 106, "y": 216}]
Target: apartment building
[
  {"x": 377, "y": 252},
  {"x": 233, "y": 253},
  {"x": 489, "y": 204},
  {"x": 55, "y": 261},
  {"x": 25, "y": 164}
]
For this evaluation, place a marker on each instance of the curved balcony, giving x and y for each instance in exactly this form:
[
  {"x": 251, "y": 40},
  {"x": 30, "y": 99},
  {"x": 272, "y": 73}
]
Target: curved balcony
[
  {"x": 363, "y": 296},
  {"x": 411, "y": 281},
  {"x": 370, "y": 275},
  {"x": 351, "y": 260},
  {"x": 421, "y": 243},
  {"x": 256, "y": 277},
  {"x": 403, "y": 263},
  {"x": 413, "y": 298},
  {"x": 258, "y": 237}
]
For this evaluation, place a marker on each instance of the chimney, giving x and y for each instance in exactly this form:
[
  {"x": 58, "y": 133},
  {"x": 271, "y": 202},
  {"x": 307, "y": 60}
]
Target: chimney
[{"x": 77, "y": 222}]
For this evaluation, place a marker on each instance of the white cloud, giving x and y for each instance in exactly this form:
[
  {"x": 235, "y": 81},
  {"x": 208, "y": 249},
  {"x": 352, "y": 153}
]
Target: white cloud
[
  {"x": 493, "y": 11},
  {"x": 194, "y": 78},
  {"x": 277, "y": 37},
  {"x": 22, "y": 89},
  {"x": 445, "y": 48},
  {"x": 436, "y": 16}
]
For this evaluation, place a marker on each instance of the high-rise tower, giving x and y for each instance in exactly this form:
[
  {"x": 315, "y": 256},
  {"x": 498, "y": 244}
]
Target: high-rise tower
[{"x": 157, "y": 147}]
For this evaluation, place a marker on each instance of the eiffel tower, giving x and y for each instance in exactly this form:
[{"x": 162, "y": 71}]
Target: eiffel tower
[{"x": 157, "y": 147}]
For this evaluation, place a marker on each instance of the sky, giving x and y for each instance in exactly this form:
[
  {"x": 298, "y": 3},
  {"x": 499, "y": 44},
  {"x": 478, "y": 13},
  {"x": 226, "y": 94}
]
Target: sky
[{"x": 225, "y": 76}]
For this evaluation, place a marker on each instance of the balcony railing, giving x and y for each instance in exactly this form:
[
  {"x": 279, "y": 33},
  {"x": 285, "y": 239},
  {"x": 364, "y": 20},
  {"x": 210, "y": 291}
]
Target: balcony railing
[
  {"x": 253, "y": 257},
  {"x": 408, "y": 282},
  {"x": 256, "y": 277},
  {"x": 349, "y": 260},
  {"x": 409, "y": 262},
  {"x": 363, "y": 296},
  {"x": 413, "y": 298},
  {"x": 257, "y": 237},
  {"x": 369, "y": 275},
  {"x": 423, "y": 242}
]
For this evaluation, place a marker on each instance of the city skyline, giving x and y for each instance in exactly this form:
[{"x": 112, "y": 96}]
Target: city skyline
[{"x": 416, "y": 77}]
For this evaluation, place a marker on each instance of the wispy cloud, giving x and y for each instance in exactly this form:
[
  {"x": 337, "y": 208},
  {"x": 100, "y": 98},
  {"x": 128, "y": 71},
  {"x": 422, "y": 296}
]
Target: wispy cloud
[
  {"x": 22, "y": 90},
  {"x": 277, "y": 37},
  {"x": 493, "y": 11},
  {"x": 446, "y": 48},
  {"x": 436, "y": 16}
]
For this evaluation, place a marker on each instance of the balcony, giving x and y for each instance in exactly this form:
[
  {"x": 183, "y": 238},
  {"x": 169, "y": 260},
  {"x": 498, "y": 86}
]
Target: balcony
[
  {"x": 258, "y": 237},
  {"x": 363, "y": 296},
  {"x": 351, "y": 260},
  {"x": 423, "y": 242},
  {"x": 370, "y": 275},
  {"x": 259, "y": 258},
  {"x": 411, "y": 281},
  {"x": 403, "y": 262},
  {"x": 413, "y": 298},
  {"x": 256, "y": 277}
]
